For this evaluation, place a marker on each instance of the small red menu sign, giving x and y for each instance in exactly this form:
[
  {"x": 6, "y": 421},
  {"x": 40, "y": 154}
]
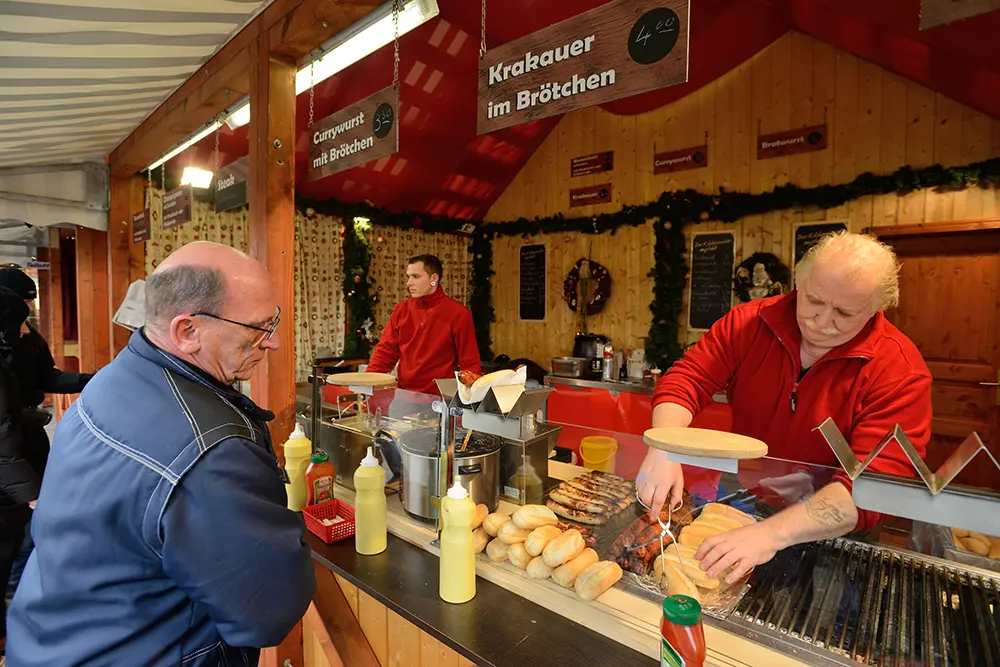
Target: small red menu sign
[
  {"x": 594, "y": 194},
  {"x": 790, "y": 142},
  {"x": 177, "y": 207},
  {"x": 140, "y": 226},
  {"x": 680, "y": 160},
  {"x": 592, "y": 164}
]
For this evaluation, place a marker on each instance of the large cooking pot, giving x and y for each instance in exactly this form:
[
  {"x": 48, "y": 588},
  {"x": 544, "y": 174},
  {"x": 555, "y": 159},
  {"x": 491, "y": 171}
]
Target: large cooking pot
[{"x": 478, "y": 470}]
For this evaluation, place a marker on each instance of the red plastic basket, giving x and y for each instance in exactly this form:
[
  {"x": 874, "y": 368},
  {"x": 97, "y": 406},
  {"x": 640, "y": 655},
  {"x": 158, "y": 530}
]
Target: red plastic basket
[{"x": 314, "y": 515}]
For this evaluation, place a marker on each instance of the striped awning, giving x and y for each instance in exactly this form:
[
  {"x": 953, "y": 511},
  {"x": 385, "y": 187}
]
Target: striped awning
[{"x": 77, "y": 76}]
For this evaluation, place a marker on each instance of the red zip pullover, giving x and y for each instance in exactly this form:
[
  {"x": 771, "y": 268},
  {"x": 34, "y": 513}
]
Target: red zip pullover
[
  {"x": 868, "y": 385},
  {"x": 431, "y": 337}
]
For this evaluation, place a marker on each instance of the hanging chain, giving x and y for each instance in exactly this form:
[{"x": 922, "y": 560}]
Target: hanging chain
[
  {"x": 482, "y": 41},
  {"x": 163, "y": 176},
  {"x": 395, "y": 42},
  {"x": 218, "y": 131},
  {"x": 312, "y": 91}
]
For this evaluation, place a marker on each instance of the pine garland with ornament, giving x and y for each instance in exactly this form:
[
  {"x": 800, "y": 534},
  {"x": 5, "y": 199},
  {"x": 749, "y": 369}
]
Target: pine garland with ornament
[{"x": 357, "y": 288}]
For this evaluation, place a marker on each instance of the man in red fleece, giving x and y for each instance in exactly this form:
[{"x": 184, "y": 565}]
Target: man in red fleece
[
  {"x": 789, "y": 362},
  {"x": 430, "y": 334}
]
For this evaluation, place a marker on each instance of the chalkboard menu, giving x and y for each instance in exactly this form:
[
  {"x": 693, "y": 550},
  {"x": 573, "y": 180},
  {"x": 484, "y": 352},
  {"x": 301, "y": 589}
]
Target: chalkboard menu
[
  {"x": 531, "y": 288},
  {"x": 712, "y": 259},
  {"x": 806, "y": 236}
]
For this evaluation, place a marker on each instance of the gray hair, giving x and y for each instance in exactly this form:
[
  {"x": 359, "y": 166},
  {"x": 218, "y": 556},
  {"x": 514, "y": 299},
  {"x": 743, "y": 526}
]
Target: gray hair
[
  {"x": 182, "y": 290},
  {"x": 858, "y": 254}
]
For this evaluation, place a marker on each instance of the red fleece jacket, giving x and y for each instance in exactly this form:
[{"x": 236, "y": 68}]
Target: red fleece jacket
[
  {"x": 868, "y": 385},
  {"x": 431, "y": 337}
]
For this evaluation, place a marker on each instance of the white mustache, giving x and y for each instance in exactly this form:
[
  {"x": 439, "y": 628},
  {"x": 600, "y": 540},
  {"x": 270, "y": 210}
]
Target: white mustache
[{"x": 815, "y": 328}]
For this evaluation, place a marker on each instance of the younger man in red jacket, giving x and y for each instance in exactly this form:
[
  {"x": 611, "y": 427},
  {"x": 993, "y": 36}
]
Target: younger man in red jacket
[
  {"x": 430, "y": 334},
  {"x": 786, "y": 364}
]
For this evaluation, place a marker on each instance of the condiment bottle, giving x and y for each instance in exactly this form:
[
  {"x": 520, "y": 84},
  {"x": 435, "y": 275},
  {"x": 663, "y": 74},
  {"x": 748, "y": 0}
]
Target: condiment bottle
[
  {"x": 683, "y": 642},
  {"x": 297, "y": 452},
  {"x": 319, "y": 479},
  {"x": 369, "y": 507},
  {"x": 458, "y": 549}
]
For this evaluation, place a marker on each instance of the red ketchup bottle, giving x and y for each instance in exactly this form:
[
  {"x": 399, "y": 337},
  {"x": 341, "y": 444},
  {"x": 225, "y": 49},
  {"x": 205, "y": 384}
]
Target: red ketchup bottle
[{"x": 683, "y": 635}]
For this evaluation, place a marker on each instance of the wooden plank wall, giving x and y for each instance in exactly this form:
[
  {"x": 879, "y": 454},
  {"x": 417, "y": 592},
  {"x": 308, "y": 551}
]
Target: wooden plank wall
[
  {"x": 395, "y": 641},
  {"x": 93, "y": 299},
  {"x": 877, "y": 121}
]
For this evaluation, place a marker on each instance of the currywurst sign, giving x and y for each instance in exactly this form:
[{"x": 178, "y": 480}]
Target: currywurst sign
[
  {"x": 365, "y": 131},
  {"x": 617, "y": 50}
]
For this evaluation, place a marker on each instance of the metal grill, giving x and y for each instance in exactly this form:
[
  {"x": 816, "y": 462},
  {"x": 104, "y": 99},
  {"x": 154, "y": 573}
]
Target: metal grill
[{"x": 876, "y": 606}]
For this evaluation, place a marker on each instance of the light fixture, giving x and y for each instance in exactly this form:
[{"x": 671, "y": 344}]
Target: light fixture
[
  {"x": 357, "y": 42},
  {"x": 185, "y": 145},
  {"x": 198, "y": 178}
]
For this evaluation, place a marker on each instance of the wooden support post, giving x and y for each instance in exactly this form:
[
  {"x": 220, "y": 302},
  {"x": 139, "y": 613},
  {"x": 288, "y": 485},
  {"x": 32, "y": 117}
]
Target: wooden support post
[
  {"x": 119, "y": 240},
  {"x": 272, "y": 221},
  {"x": 345, "y": 638},
  {"x": 93, "y": 299}
]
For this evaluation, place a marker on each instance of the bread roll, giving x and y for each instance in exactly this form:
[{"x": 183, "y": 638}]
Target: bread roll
[
  {"x": 691, "y": 567},
  {"x": 493, "y": 522},
  {"x": 481, "y": 539},
  {"x": 539, "y": 538},
  {"x": 725, "y": 510},
  {"x": 565, "y": 575},
  {"x": 518, "y": 556},
  {"x": 696, "y": 533},
  {"x": 678, "y": 583},
  {"x": 957, "y": 533},
  {"x": 564, "y": 548},
  {"x": 994, "y": 551},
  {"x": 599, "y": 577},
  {"x": 537, "y": 569},
  {"x": 497, "y": 551},
  {"x": 721, "y": 522},
  {"x": 530, "y": 517},
  {"x": 976, "y": 546},
  {"x": 985, "y": 539},
  {"x": 490, "y": 378},
  {"x": 511, "y": 534},
  {"x": 482, "y": 511}
]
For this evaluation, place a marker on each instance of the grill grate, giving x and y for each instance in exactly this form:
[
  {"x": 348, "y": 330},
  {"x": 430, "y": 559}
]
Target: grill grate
[{"x": 877, "y": 607}]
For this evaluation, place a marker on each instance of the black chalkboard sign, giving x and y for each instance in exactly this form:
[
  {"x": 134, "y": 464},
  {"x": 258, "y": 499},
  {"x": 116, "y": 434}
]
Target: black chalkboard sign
[
  {"x": 806, "y": 236},
  {"x": 712, "y": 259},
  {"x": 531, "y": 287}
]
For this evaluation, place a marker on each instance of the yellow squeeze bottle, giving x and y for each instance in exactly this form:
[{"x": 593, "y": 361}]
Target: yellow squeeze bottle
[
  {"x": 458, "y": 549},
  {"x": 297, "y": 452},
  {"x": 369, "y": 507}
]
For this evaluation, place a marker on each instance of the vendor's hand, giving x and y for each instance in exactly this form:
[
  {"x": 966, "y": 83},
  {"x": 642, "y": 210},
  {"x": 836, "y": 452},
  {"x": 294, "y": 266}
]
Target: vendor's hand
[
  {"x": 658, "y": 480},
  {"x": 32, "y": 503},
  {"x": 745, "y": 547}
]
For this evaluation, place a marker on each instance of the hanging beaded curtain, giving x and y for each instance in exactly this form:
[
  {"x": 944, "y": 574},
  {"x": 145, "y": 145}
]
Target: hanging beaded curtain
[
  {"x": 319, "y": 312},
  {"x": 319, "y": 295},
  {"x": 392, "y": 247}
]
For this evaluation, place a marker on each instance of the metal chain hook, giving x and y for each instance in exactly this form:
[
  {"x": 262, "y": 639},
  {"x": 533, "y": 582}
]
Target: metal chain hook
[
  {"x": 218, "y": 131},
  {"x": 395, "y": 42},
  {"x": 482, "y": 41},
  {"x": 312, "y": 90}
]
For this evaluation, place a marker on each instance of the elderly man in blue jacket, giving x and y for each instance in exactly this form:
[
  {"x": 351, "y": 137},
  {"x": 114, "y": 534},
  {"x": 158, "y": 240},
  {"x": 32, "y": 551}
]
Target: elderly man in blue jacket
[{"x": 162, "y": 535}]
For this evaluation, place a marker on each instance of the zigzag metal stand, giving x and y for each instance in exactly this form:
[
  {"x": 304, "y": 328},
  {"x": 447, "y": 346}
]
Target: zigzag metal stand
[{"x": 972, "y": 509}]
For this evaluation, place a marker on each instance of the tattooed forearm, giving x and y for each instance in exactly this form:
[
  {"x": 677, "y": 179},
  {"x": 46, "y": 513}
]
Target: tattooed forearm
[{"x": 824, "y": 512}]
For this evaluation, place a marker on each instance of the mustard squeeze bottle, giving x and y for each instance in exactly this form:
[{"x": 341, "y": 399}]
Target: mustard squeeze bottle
[
  {"x": 369, "y": 507},
  {"x": 297, "y": 452},
  {"x": 458, "y": 549}
]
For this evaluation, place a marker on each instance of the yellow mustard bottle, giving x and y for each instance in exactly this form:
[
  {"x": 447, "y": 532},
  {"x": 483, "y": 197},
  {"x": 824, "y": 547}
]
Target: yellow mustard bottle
[
  {"x": 297, "y": 452},
  {"x": 369, "y": 507},
  {"x": 458, "y": 549}
]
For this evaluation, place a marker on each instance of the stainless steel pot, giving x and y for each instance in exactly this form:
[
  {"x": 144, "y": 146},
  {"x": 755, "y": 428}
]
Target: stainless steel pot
[
  {"x": 478, "y": 471},
  {"x": 570, "y": 367}
]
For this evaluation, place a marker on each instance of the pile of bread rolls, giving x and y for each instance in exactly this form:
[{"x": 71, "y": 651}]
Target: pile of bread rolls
[
  {"x": 530, "y": 540},
  {"x": 678, "y": 568},
  {"x": 977, "y": 543}
]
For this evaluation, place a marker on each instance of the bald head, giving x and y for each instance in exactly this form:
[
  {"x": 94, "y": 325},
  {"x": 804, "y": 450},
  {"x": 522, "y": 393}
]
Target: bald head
[{"x": 856, "y": 259}]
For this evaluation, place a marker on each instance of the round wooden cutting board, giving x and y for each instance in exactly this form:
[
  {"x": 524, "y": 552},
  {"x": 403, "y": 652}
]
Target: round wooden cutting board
[
  {"x": 705, "y": 443},
  {"x": 361, "y": 380}
]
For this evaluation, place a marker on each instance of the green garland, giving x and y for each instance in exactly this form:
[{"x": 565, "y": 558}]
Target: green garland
[
  {"x": 357, "y": 288},
  {"x": 668, "y": 214}
]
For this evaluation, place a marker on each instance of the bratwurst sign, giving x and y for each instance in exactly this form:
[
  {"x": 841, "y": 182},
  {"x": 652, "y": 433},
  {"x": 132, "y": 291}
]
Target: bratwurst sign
[
  {"x": 617, "y": 50},
  {"x": 365, "y": 131}
]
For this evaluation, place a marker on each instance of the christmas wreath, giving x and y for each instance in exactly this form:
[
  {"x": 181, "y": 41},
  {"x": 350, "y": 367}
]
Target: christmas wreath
[
  {"x": 600, "y": 279},
  {"x": 760, "y": 275}
]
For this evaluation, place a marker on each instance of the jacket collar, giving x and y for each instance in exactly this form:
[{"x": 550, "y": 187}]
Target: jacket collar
[
  {"x": 143, "y": 347},
  {"x": 780, "y": 317},
  {"x": 436, "y": 297}
]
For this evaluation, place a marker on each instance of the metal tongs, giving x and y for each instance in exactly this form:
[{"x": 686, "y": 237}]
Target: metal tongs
[{"x": 664, "y": 532}]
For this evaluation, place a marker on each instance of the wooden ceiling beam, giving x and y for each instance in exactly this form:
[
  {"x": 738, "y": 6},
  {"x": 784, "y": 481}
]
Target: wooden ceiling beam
[{"x": 295, "y": 28}]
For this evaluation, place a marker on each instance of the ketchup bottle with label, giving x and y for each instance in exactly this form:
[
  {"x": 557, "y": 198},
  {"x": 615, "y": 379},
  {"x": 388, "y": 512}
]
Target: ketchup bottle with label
[
  {"x": 683, "y": 635},
  {"x": 319, "y": 479}
]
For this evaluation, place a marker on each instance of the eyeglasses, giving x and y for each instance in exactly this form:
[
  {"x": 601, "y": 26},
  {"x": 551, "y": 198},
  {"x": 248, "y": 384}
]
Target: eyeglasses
[{"x": 268, "y": 330}]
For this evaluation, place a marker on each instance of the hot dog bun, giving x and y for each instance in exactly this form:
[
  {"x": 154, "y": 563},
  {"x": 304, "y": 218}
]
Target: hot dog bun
[
  {"x": 518, "y": 556},
  {"x": 530, "y": 517},
  {"x": 497, "y": 551},
  {"x": 565, "y": 575},
  {"x": 537, "y": 569},
  {"x": 599, "y": 577},
  {"x": 493, "y": 522},
  {"x": 539, "y": 539},
  {"x": 511, "y": 534},
  {"x": 564, "y": 548},
  {"x": 482, "y": 511}
]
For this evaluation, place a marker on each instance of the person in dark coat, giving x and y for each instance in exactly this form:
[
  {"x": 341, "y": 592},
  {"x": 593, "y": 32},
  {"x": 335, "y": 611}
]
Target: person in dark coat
[
  {"x": 19, "y": 482},
  {"x": 36, "y": 375}
]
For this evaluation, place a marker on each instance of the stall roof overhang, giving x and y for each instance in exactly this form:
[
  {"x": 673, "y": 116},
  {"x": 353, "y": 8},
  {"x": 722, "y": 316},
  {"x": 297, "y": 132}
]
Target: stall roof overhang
[{"x": 77, "y": 76}]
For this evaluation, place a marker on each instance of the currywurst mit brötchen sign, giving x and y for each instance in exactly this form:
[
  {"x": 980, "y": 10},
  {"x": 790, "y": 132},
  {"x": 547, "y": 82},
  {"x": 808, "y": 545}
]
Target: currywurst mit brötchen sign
[
  {"x": 365, "y": 131},
  {"x": 617, "y": 50}
]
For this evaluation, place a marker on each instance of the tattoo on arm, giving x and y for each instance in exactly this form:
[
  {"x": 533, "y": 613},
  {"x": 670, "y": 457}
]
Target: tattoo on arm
[{"x": 824, "y": 512}]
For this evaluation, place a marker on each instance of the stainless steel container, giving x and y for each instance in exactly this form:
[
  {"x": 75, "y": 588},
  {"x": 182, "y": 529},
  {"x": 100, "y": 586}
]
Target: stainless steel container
[
  {"x": 478, "y": 471},
  {"x": 570, "y": 367}
]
